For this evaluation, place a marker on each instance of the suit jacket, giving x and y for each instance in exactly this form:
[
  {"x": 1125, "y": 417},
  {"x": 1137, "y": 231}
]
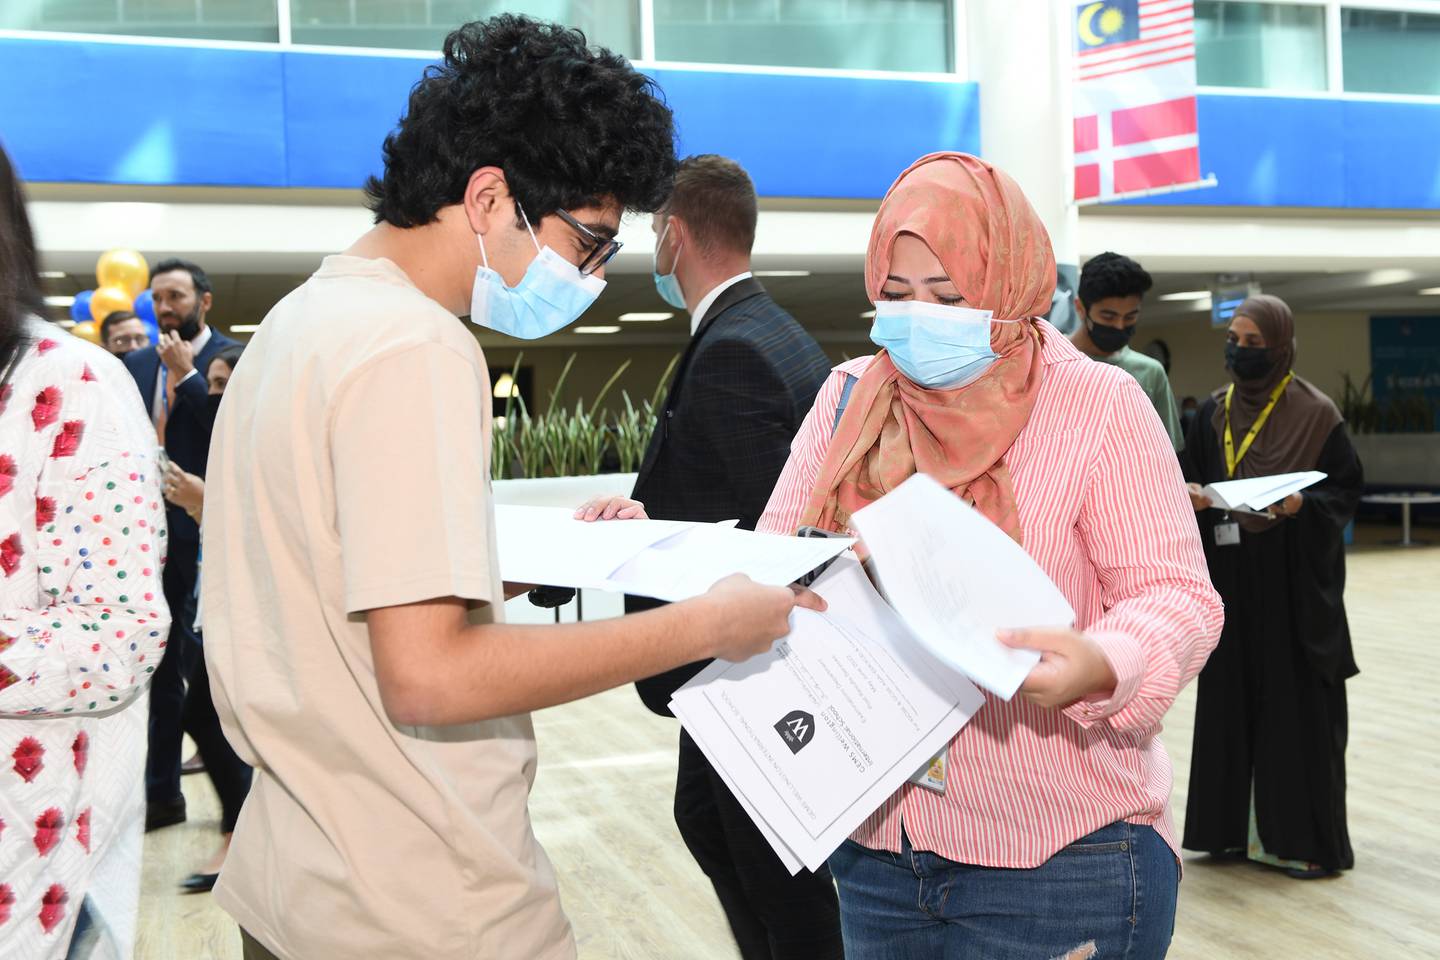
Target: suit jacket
[
  {"x": 743, "y": 386},
  {"x": 187, "y": 431}
]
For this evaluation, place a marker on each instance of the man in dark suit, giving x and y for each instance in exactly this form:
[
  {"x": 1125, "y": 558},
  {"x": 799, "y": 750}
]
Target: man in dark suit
[
  {"x": 171, "y": 377},
  {"x": 744, "y": 384}
]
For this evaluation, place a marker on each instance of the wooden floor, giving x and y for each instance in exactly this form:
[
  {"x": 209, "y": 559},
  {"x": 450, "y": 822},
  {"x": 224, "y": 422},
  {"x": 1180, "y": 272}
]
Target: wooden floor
[{"x": 602, "y": 809}]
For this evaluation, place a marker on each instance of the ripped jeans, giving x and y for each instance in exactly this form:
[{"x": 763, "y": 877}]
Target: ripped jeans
[{"x": 1108, "y": 895}]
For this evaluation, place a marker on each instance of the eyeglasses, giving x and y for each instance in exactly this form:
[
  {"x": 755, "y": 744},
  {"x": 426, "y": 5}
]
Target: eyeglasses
[
  {"x": 601, "y": 250},
  {"x": 134, "y": 341}
]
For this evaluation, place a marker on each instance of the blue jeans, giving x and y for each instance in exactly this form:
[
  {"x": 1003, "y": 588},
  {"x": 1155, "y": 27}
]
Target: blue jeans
[{"x": 1114, "y": 889}]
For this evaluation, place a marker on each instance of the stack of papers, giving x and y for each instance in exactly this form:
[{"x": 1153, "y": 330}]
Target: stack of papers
[
  {"x": 1254, "y": 494},
  {"x": 664, "y": 559},
  {"x": 815, "y": 735}
]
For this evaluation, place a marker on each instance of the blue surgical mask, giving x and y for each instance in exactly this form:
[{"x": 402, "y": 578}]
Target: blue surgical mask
[
  {"x": 552, "y": 294},
  {"x": 935, "y": 346},
  {"x": 668, "y": 285}
]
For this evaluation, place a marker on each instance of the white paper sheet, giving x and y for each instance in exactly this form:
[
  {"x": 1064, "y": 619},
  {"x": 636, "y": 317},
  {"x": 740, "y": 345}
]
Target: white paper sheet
[
  {"x": 816, "y": 734},
  {"x": 547, "y": 545},
  {"x": 956, "y": 578},
  {"x": 664, "y": 559},
  {"x": 690, "y": 563},
  {"x": 1254, "y": 494}
]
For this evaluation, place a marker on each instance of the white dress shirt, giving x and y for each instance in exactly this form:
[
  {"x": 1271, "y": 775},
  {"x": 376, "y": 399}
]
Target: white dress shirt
[
  {"x": 703, "y": 307},
  {"x": 157, "y": 406}
]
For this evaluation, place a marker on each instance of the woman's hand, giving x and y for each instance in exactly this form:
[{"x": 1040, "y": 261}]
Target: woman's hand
[
  {"x": 185, "y": 490},
  {"x": 1071, "y": 666},
  {"x": 611, "y": 508},
  {"x": 1290, "y": 506},
  {"x": 1198, "y": 500}
]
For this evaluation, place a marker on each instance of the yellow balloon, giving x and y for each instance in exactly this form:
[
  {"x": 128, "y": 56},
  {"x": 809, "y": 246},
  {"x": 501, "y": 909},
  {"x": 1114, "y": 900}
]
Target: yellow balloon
[
  {"x": 109, "y": 299},
  {"x": 123, "y": 268},
  {"x": 87, "y": 331}
]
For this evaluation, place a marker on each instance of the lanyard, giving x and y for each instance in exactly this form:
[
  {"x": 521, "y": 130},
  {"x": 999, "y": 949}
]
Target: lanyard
[{"x": 1232, "y": 460}]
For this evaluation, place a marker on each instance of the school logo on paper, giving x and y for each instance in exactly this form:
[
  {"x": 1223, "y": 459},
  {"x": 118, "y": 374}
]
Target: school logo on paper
[{"x": 796, "y": 728}]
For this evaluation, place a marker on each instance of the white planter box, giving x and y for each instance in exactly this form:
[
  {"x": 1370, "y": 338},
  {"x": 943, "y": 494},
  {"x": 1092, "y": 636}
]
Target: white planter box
[
  {"x": 1400, "y": 459},
  {"x": 564, "y": 492}
]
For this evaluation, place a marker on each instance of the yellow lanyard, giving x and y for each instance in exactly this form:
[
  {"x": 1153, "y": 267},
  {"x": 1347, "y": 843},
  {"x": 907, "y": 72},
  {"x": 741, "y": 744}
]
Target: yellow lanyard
[{"x": 1232, "y": 460}]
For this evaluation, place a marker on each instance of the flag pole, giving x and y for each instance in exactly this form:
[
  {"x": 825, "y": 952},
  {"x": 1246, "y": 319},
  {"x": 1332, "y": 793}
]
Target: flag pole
[{"x": 1209, "y": 181}]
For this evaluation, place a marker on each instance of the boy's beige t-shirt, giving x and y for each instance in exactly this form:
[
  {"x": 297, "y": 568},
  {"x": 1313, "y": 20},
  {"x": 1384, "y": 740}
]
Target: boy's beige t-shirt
[{"x": 350, "y": 470}]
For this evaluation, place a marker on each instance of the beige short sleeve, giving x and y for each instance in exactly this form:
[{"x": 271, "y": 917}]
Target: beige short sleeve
[{"x": 411, "y": 490}]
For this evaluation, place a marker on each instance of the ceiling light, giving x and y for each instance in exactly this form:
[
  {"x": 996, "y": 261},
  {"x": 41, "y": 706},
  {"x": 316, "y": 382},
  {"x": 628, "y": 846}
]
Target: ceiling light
[
  {"x": 244, "y": 327},
  {"x": 1430, "y": 292},
  {"x": 868, "y": 315},
  {"x": 597, "y": 329},
  {"x": 505, "y": 387},
  {"x": 1188, "y": 295},
  {"x": 782, "y": 273},
  {"x": 1386, "y": 278},
  {"x": 52, "y": 274},
  {"x": 59, "y": 301},
  {"x": 644, "y": 317}
]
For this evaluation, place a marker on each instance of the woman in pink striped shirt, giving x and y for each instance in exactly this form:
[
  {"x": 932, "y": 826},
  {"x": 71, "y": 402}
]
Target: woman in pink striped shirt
[{"x": 1051, "y": 832}]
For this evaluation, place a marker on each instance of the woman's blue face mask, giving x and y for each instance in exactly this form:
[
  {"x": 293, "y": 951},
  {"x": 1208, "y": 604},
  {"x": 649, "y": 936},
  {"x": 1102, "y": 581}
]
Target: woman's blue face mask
[{"x": 936, "y": 346}]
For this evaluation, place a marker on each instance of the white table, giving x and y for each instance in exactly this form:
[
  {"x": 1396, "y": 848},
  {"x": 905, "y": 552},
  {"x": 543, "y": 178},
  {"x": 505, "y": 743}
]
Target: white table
[{"x": 1405, "y": 500}]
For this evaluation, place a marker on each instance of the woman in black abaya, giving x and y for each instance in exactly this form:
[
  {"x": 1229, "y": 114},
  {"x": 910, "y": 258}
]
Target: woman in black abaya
[{"x": 1267, "y": 777}]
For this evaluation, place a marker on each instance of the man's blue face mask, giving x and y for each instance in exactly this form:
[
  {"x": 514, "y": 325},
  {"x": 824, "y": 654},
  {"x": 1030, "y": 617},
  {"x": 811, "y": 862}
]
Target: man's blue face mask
[
  {"x": 552, "y": 294},
  {"x": 668, "y": 284}
]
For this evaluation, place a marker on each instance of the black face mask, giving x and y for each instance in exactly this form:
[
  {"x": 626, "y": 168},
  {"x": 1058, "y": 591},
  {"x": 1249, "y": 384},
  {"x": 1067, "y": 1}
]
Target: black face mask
[
  {"x": 1110, "y": 339},
  {"x": 1248, "y": 363}
]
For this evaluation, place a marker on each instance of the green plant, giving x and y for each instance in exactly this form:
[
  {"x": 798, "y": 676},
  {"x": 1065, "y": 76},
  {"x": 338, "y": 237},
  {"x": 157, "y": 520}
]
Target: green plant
[
  {"x": 1409, "y": 412},
  {"x": 566, "y": 441}
]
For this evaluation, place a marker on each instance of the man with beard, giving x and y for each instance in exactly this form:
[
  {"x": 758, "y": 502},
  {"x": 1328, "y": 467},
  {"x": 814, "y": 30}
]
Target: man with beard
[{"x": 166, "y": 374}]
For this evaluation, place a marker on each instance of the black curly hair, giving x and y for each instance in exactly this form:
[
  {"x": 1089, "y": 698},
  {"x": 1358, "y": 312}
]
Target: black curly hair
[
  {"x": 1112, "y": 275},
  {"x": 571, "y": 126}
]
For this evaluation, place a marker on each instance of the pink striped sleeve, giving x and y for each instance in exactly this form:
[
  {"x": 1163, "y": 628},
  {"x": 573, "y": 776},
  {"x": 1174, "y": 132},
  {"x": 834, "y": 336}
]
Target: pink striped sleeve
[
  {"x": 1162, "y": 615},
  {"x": 807, "y": 453}
]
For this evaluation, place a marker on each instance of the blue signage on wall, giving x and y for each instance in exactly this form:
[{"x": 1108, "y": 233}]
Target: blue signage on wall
[{"x": 1405, "y": 363}]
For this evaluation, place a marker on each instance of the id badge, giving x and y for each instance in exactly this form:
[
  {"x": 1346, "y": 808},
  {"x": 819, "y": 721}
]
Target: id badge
[
  {"x": 932, "y": 775},
  {"x": 1227, "y": 534}
]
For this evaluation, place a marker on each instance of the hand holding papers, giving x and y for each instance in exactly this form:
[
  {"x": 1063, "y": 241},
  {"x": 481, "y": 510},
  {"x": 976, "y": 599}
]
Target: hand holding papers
[
  {"x": 1254, "y": 494},
  {"x": 664, "y": 559},
  {"x": 813, "y": 736},
  {"x": 955, "y": 579}
]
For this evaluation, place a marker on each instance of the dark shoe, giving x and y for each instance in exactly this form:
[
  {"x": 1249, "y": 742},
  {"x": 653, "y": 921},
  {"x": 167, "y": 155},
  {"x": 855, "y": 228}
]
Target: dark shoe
[
  {"x": 195, "y": 764},
  {"x": 1312, "y": 871},
  {"x": 199, "y": 882},
  {"x": 164, "y": 813},
  {"x": 1228, "y": 856}
]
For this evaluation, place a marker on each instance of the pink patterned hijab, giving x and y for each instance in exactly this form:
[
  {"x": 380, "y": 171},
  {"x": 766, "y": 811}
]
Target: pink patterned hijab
[{"x": 975, "y": 219}]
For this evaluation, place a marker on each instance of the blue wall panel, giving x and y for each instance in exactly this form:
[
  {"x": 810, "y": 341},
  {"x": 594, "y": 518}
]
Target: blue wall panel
[
  {"x": 338, "y": 110},
  {"x": 266, "y": 118},
  {"x": 1392, "y": 154},
  {"x": 820, "y": 136},
  {"x": 121, "y": 113},
  {"x": 260, "y": 117}
]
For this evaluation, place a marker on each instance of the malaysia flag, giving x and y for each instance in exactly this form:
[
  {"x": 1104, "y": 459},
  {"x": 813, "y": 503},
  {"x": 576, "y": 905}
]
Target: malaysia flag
[{"x": 1135, "y": 120}]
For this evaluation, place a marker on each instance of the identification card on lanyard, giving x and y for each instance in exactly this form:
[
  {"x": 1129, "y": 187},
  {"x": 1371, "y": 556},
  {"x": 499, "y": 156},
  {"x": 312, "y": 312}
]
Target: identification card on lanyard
[
  {"x": 1227, "y": 533},
  {"x": 932, "y": 775}
]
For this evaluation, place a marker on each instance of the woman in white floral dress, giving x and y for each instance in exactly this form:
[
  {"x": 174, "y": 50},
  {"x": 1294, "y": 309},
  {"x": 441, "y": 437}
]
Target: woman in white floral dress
[{"x": 82, "y": 623}]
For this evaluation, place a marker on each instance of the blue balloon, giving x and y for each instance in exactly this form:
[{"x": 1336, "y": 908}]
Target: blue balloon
[
  {"x": 145, "y": 308},
  {"x": 80, "y": 309},
  {"x": 152, "y": 330}
]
